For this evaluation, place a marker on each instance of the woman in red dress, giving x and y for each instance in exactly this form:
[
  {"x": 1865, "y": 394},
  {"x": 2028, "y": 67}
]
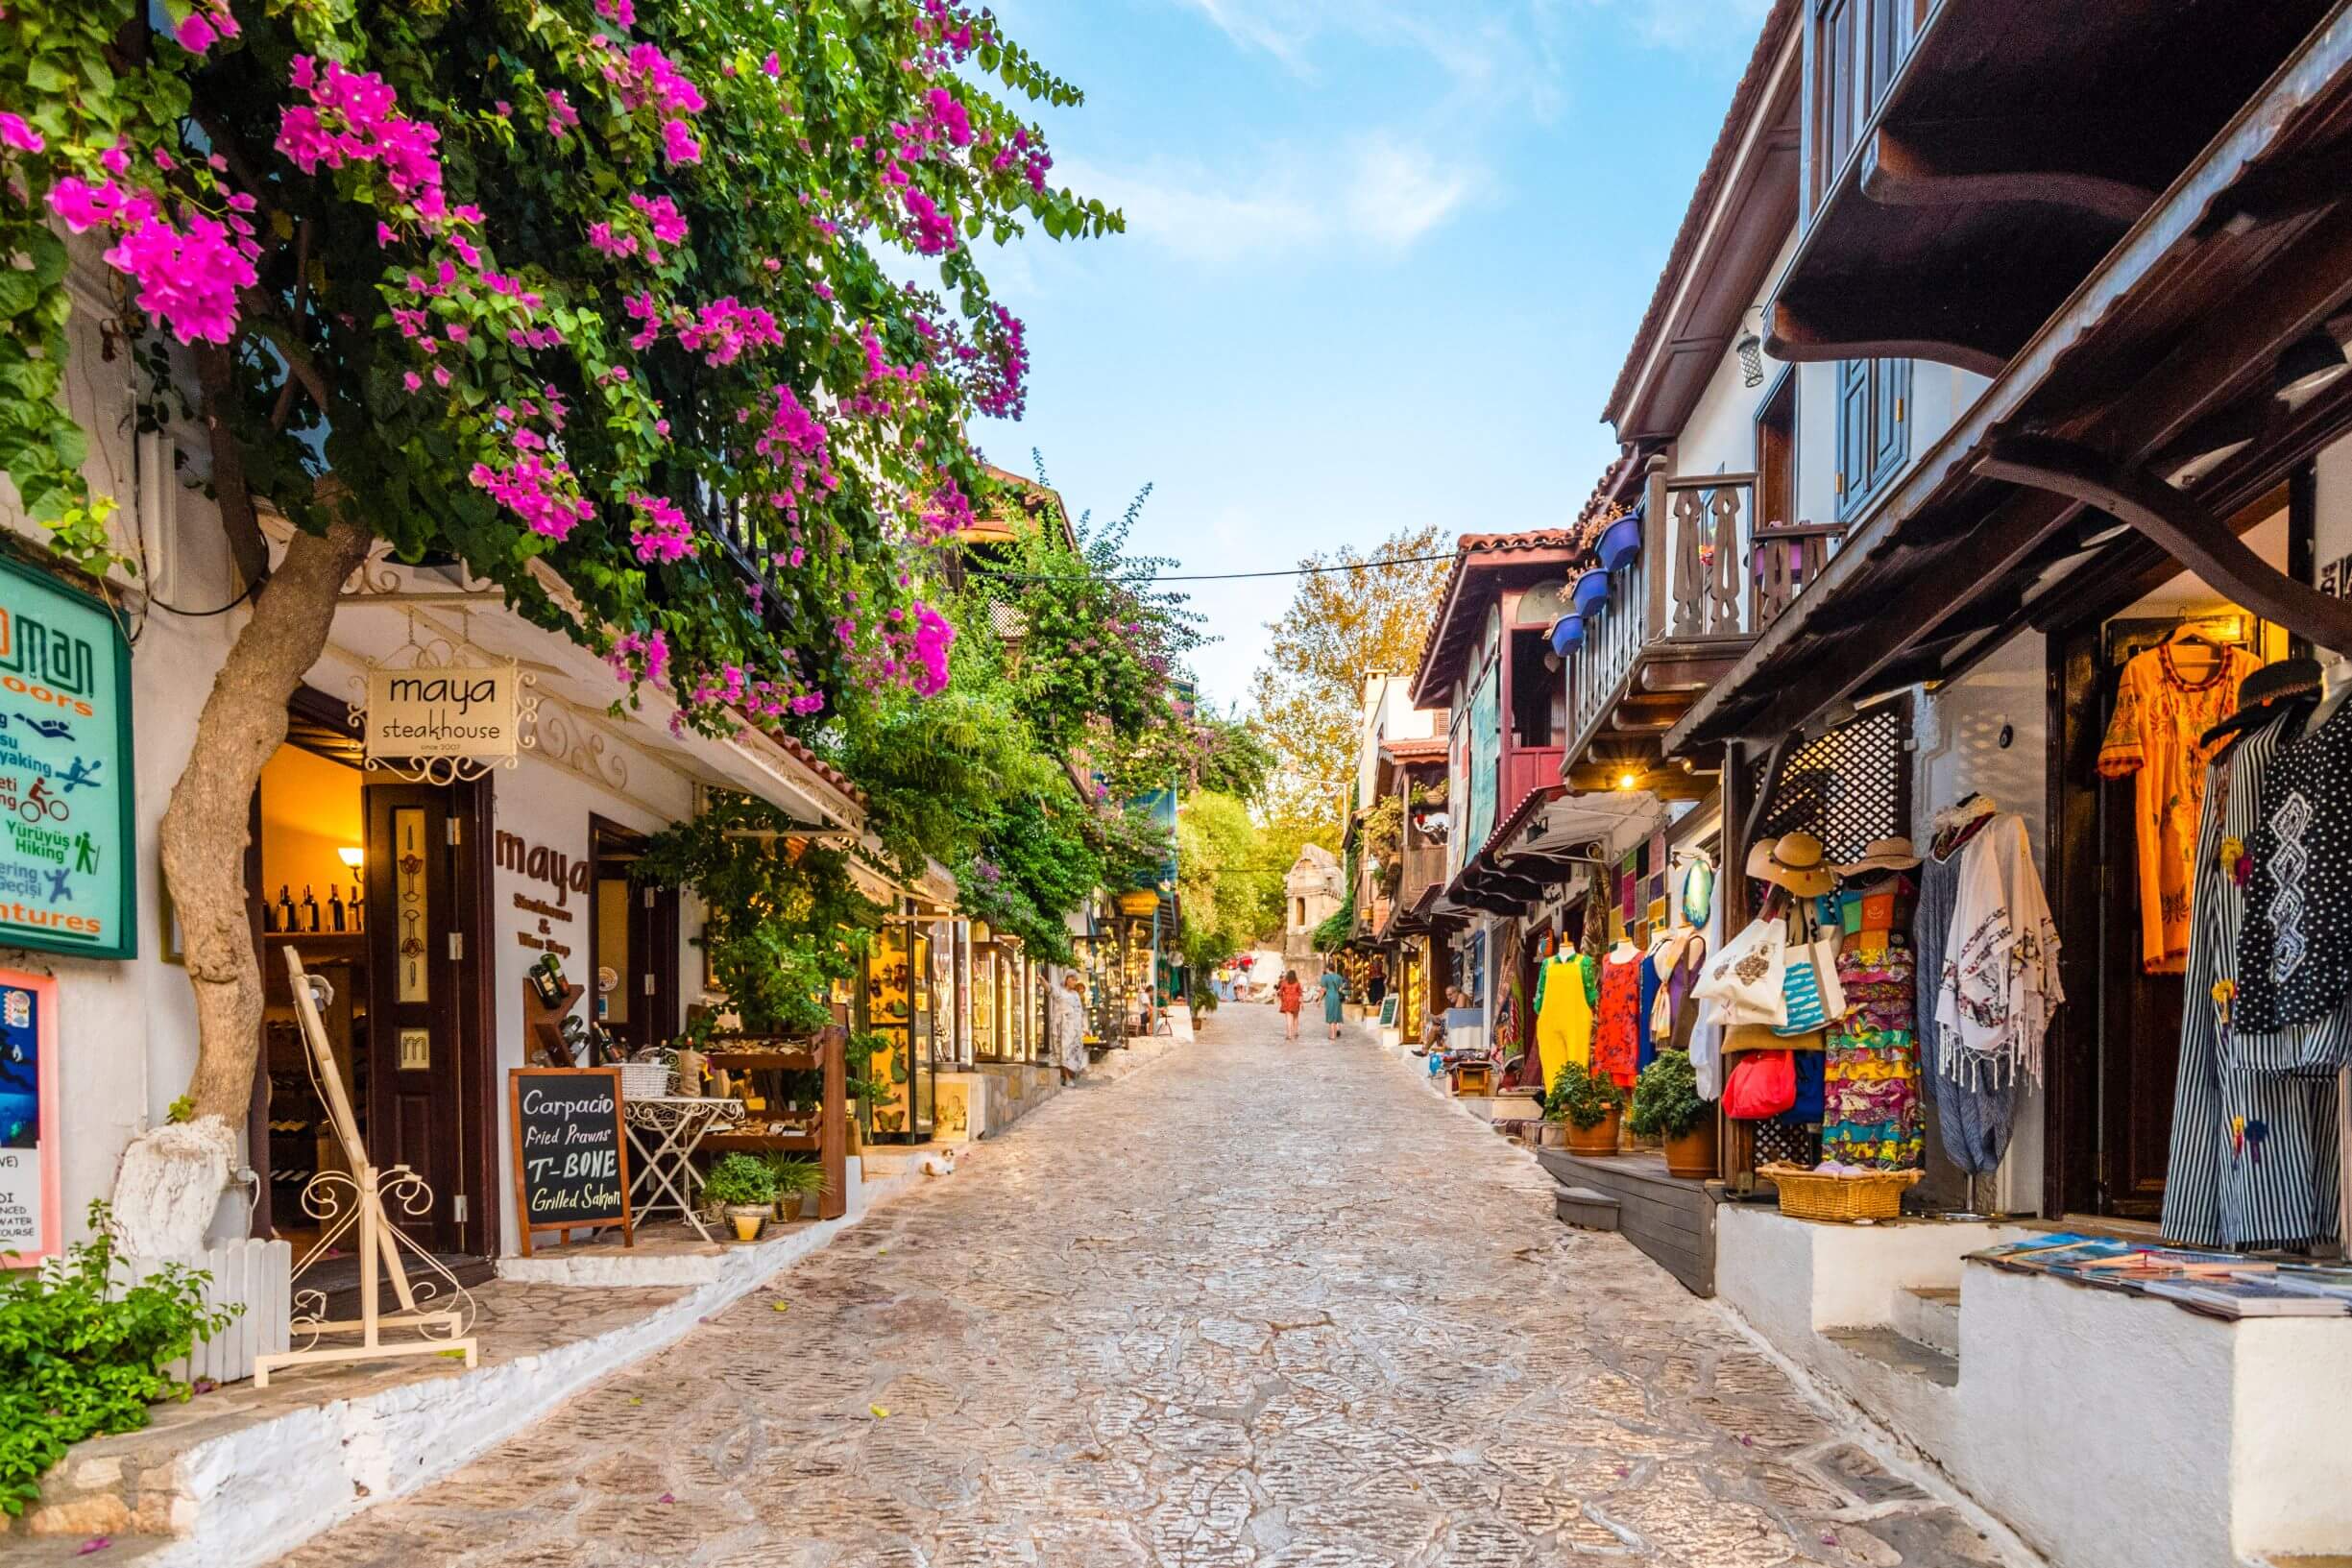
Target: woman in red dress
[{"x": 1287, "y": 997}]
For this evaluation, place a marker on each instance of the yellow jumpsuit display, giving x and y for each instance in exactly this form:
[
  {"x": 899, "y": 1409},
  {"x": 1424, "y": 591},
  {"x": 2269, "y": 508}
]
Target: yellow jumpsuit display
[{"x": 1563, "y": 1015}]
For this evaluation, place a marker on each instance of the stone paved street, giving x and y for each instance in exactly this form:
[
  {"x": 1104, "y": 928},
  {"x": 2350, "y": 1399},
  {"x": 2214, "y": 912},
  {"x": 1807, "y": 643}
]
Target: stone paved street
[{"x": 1260, "y": 1304}]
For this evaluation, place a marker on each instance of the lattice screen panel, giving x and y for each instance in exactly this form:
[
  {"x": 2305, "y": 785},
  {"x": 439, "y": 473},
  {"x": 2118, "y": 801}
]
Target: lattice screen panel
[{"x": 1850, "y": 787}]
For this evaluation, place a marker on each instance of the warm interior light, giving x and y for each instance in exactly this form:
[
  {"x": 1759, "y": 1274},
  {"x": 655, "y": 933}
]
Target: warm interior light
[
  {"x": 1627, "y": 780},
  {"x": 352, "y": 856}
]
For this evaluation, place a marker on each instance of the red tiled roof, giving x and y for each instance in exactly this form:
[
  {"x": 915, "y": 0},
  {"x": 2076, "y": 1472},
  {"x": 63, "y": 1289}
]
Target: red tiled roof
[
  {"x": 1416, "y": 749},
  {"x": 1751, "y": 84},
  {"x": 1529, "y": 539},
  {"x": 800, "y": 752}
]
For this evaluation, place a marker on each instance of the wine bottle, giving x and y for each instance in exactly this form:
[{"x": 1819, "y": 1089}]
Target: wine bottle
[
  {"x": 358, "y": 911},
  {"x": 269, "y": 916},
  {"x": 285, "y": 907},
  {"x": 310, "y": 909},
  {"x": 335, "y": 908}
]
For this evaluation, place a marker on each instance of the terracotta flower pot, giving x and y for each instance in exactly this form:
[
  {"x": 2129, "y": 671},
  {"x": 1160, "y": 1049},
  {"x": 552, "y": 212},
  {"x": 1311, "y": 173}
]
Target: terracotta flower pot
[
  {"x": 1691, "y": 1157},
  {"x": 1599, "y": 1139}
]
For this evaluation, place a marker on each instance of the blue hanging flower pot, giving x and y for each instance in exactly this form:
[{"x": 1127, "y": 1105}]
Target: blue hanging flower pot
[
  {"x": 1566, "y": 632},
  {"x": 1621, "y": 542},
  {"x": 1592, "y": 591}
]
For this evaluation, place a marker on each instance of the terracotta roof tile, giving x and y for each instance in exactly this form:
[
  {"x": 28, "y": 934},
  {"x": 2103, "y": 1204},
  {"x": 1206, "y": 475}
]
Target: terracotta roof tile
[
  {"x": 800, "y": 752},
  {"x": 1418, "y": 748},
  {"x": 1530, "y": 539}
]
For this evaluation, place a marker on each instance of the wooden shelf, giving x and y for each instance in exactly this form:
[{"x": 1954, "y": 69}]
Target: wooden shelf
[
  {"x": 804, "y": 1142},
  {"x": 759, "y": 1061},
  {"x": 328, "y": 941}
]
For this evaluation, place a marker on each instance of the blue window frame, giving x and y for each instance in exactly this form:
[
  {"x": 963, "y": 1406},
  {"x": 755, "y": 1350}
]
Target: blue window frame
[{"x": 1873, "y": 425}]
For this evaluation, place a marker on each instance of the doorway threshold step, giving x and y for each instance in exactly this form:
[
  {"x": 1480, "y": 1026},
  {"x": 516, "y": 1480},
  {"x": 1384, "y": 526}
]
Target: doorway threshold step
[
  {"x": 1930, "y": 1314},
  {"x": 1586, "y": 1208}
]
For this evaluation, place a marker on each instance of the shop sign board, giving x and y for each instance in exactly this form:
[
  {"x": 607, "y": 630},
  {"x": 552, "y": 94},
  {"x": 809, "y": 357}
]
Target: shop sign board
[
  {"x": 31, "y": 1220},
  {"x": 571, "y": 1157},
  {"x": 443, "y": 711},
  {"x": 66, "y": 875}
]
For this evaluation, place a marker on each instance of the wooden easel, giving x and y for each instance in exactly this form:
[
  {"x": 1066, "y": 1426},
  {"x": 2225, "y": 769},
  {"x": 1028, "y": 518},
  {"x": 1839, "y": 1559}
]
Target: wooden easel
[{"x": 379, "y": 1239}]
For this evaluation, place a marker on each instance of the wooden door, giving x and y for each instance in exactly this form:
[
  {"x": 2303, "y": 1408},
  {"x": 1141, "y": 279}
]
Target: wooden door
[{"x": 422, "y": 1110}]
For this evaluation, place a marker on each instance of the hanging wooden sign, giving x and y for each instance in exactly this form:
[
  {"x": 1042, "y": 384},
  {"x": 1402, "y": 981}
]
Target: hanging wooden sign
[
  {"x": 443, "y": 711},
  {"x": 571, "y": 1157}
]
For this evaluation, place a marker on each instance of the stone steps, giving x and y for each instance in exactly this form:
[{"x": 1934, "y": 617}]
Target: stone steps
[
  {"x": 1902, "y": 1355},
  {"x": 1930, "y": 1315},
  {"x": 1586, "y": 1208}
]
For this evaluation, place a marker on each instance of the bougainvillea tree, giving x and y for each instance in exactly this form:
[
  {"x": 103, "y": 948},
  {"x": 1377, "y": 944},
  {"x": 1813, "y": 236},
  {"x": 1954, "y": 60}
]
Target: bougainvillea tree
[{"x": 587, "y": 284}]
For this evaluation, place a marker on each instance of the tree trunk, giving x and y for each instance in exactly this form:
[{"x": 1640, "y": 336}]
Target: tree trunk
[{"x": 207, "y": 826}]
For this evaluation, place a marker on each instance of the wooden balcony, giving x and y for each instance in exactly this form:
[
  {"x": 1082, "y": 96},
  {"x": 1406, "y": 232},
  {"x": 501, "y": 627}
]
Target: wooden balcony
[
  {"x": 1708, "y": 581},
  {"x": 1424, "y": 867}
]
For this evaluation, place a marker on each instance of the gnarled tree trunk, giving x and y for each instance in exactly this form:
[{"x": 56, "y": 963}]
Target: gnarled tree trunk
[
  {"x": 172, "y": 1176},
  {"x": 206, "y": 827}
]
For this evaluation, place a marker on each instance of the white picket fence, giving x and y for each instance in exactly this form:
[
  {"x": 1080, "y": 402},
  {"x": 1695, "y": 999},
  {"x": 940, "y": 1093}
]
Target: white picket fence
[{"x": 251, "y": 1274}]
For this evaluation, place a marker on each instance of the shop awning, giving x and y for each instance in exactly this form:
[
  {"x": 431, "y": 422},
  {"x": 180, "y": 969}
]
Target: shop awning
[{"x": 2165, "y": 360}]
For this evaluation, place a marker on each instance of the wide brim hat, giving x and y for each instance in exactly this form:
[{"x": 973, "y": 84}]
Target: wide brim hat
[
  {"x": 1798, "y": 862},
  {"x": 1894, "y": 853}
]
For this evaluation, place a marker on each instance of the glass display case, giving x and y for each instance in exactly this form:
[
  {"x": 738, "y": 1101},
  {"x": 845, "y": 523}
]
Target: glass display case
[{"x": 895, "y": 1013}]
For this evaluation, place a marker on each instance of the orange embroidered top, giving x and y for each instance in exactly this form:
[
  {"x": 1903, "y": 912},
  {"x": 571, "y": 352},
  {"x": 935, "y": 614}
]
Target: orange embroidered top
[{"x": 2159, "y": 714}]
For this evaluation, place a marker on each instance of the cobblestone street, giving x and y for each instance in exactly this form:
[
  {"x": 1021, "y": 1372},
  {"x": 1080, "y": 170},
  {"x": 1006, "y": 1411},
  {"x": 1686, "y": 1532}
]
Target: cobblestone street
[{"x": 1258, "y": 1304}]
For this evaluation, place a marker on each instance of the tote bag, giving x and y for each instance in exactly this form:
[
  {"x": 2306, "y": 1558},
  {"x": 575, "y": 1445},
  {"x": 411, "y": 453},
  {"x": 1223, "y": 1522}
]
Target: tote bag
[
  {"x": 1745, "y": 982},
  {"x": 1764, "y": 1083},
  {"x": 1810, "y": 985}
]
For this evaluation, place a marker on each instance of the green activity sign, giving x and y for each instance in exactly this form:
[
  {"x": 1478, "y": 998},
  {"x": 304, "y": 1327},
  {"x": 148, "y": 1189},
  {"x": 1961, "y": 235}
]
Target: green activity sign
[{"x": 67, "y": 881}]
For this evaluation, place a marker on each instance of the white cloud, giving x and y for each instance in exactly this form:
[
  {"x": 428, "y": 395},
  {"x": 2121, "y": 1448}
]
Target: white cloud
[
  {"x": 1380, "y": 191},
  {"x": 1279, "y": 28},
  {"x": 1701, "y": 26},
  {"x": 1400, "y": 192}
]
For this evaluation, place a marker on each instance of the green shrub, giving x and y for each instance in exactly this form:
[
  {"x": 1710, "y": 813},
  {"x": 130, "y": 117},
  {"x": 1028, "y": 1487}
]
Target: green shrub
[
  {"x": 1666, "y": 1102},
  {"x": 1582, "y": 1098},
  {"x": 81, "y": 1357},
  {"x": 740, "y": 1181},
  {"x": 796, "y": 1175}
]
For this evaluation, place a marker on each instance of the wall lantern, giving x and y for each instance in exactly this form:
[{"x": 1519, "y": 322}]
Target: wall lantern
[{"x": 1751, "y": 351}]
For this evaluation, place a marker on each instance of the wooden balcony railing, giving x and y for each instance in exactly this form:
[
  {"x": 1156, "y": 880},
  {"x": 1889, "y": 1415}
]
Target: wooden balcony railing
[
  {"x": 1425, "y": 865},
  {"x": 1526, "y": 769},
  {"x": 1710, "y": 578}
]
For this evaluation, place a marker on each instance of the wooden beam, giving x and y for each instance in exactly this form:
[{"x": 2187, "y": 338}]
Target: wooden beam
[
  {"x": 2009, "y": 535},
  {"x": 1899, "y": 173},
  {"x": 1789, "y": 338},
  {"x": 2187, "y": 531}
]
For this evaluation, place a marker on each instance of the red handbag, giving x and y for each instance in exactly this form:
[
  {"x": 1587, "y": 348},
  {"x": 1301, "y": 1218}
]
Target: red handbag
[{"x": 1764, "y": 1083}]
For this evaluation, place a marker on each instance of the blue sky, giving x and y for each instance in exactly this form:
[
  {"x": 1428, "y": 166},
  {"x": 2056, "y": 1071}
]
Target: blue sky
[{"x": 1382, "y": 262}]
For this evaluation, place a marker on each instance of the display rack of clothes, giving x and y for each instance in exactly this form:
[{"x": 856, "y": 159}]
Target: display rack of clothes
[
  {"x": 1616, "y": 1037},
  {"x": 2169, "y": 698},
  {"x": 1568, "y": 987},
  {"x": 2256, "y": 1125},
  {"x": 1871, "y": 1115}
]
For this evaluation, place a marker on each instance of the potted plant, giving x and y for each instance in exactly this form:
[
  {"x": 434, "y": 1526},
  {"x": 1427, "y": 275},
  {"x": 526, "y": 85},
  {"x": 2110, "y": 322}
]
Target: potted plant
[
  {"x": 1590, "y": 1105},
  {"x": 741, "y": 1185},
  {"x": 1666, "y": 1104},
  {"x": 799, "y": 1179}
]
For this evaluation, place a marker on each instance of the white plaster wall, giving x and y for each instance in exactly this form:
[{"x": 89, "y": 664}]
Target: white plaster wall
[
  {"x": 2098, "y": 1425},
  {"x": 2331, "y": 530},
  {"x": 127, "y": 1029},
  {"x": 547, "y": 803},
  {"x": 2291, "y": 1455}
]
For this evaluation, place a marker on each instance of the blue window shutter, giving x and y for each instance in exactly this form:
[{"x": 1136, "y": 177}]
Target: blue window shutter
[{"x": 1854, "y": 435}]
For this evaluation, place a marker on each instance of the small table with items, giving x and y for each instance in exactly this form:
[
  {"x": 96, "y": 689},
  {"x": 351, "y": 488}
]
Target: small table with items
[{"x": 664, "y": 1132}]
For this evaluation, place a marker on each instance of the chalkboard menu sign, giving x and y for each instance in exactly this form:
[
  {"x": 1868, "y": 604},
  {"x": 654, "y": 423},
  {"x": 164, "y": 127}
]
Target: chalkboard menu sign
[{"x": 572, "y": 1158}]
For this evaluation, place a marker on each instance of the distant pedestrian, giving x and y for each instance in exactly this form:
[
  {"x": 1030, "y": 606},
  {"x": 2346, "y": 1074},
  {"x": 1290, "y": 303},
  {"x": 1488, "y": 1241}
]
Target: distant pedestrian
[
  {"x": 1288, "y": 996},
  {"x": 1070, "y": 1025},
  {"x": 1376, "y": 985},
  {"x": 1335, "y": 993}
]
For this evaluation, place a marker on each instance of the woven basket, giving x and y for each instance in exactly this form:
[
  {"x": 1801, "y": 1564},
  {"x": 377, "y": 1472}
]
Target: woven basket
[
  {"x": 1837, "y": 1200},
  {"x": 645, "y": 1080}
]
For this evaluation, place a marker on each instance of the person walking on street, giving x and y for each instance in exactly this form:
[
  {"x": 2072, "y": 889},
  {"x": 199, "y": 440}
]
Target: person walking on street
[
  {"x": 1070, "y": 1025},
  {"x": 1288, "y": 996},
  {"x": 1335, "y": 992}
]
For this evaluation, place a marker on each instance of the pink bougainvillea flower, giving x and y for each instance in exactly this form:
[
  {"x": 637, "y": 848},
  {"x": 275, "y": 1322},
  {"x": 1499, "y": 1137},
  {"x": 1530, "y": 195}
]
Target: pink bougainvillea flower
[
  {"x": 188, "y": 280},
  {"x": 83, "y": 205},
  {"x": 413, "y": 381},
  {"x": 198, "y": 34},
  {"x": 678, "y": 143},
  {"x": 771, "y": 64},
  {"x": 562, "y": 119},
  {"x": 17, "y": 134},
  {"x": 662, "y": 533}
]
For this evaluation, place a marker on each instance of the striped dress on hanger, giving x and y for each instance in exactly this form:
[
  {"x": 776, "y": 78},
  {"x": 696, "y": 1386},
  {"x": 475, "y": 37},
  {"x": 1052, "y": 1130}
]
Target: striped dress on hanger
[{"x": 2254, "y": 1131}]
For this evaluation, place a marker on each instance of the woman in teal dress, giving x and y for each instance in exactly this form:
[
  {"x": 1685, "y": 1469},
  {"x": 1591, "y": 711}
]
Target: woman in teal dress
[{"x": 1335, "y": 992}]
